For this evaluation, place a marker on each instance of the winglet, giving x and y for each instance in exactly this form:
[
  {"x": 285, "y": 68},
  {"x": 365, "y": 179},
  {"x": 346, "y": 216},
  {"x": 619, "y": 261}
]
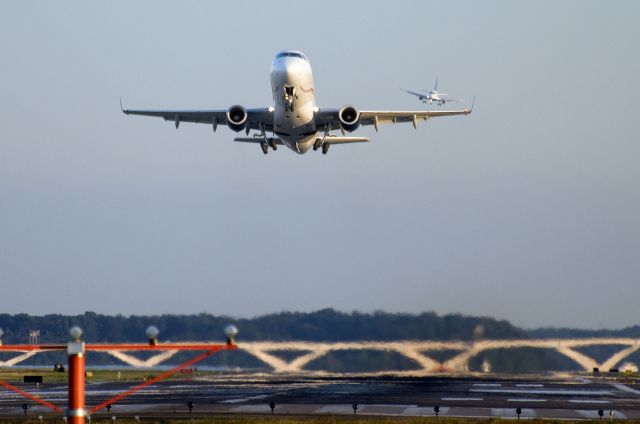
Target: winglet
[
  {"x": 473, "y": 102},
  {"x": 121, "y": 108}
]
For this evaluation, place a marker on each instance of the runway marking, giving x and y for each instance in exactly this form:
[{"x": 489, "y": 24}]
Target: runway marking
[
  {"x": 424, "y": 411},
  {"x": 627, "y": 389},
  {"x": 525, "y": 400},
  {"x": 251, "y": 408},
  {"x": 487, "y": 384},
  {"x": 620, "y": 415},
  {"x": 588, "y": 413},
  {"x": 455, "y": 399},
  {"x": 529, "y": 385},
  {"x": 384, "y": 409},
  {"x": 336, "y": 409},
  {"x": 243, "y": 399},
  {"x": 547, "y": 392},
  {"x": 588, "y": 401},
  {"x": 511, "y": 413}
]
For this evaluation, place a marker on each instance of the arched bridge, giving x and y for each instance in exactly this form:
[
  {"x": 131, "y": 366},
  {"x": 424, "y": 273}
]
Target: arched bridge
[{"x": 418, "y": 351}]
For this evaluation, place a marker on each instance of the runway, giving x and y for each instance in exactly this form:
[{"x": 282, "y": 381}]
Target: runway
[{"x": 569, "y": 397}]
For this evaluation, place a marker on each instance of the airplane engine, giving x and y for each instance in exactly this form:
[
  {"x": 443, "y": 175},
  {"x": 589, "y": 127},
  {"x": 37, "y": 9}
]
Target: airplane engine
[
  {"x": 349, "y": 118},
  {"x": 237, "y": 118}
]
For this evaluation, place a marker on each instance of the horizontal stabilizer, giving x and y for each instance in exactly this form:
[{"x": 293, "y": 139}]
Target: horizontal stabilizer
[
  {"x": 258, "y": 140},
  {"x": 344, "y": 140}
]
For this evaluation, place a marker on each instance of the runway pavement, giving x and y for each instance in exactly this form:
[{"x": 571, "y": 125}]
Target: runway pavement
[{"x": 572, "y": 397}]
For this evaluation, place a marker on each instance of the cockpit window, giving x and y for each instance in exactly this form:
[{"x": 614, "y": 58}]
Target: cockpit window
[{"x": 291, "y": 54}]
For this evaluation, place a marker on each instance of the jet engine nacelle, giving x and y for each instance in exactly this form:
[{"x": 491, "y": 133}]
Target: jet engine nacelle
[
  {"x": 237, "y": 118},
  {"x": 349, "y": 118}
]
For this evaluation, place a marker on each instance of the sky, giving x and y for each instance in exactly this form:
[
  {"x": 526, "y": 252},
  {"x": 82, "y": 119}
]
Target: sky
[{"x": 526, "y": 210}]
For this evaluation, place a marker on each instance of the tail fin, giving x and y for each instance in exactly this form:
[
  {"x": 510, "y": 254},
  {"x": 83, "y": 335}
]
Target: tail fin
[{"x": 436, "y": 87}]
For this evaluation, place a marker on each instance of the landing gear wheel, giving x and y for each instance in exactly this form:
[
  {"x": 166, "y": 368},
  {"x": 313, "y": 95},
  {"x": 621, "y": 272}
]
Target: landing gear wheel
[
  {"x": 325, "y": 148},
  {"x": 273, "y": 144},
  {"x": 265, "y": 148}
]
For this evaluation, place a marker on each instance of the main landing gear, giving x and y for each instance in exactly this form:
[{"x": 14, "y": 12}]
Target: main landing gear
[
  {"x": 320, "y": 142},
  {"x": 267, "y": 142}
]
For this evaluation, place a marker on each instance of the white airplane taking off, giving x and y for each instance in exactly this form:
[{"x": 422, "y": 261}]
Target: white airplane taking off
[
  {"x": 433, "y": 96},
  {"x": 294, "y": 119}
]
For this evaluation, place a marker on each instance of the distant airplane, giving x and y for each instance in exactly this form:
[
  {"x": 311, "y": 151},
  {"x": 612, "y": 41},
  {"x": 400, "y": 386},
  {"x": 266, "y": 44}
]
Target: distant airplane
[
  {"x": 432, "y": 96},
  {"x": 294, "y": 118}
]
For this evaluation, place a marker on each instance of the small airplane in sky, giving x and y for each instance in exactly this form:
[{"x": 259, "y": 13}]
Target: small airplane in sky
[
  {"x": 432, "y": 96},
  {"x": 294, "y": 119}
]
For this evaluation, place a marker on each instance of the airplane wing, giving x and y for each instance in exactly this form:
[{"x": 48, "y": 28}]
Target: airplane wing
[
  {"x": 255, "y": 117},
  {"x": 421, "y": 95},
  {"x": 376, "y": 118}
]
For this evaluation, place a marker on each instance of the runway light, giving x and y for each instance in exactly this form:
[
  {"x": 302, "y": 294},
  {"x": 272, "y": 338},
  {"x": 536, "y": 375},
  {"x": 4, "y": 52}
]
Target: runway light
[
  {"x": 152, "y": 333},
  {"x": 272, "y": 405},
  {"x": 230, "y": 331},
  {"x": 518, "y": 412},
  {"x": 75, "y": 332},
  {"x": 355, "y": 407},
  {"x": 436, "y": 409}
]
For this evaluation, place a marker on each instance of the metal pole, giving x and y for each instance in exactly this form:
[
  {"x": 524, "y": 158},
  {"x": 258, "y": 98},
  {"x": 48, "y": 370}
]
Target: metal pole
[{"x": 75, "y": 410}]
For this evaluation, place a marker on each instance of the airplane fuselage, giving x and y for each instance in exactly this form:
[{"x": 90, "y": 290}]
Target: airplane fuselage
[{"x": 294, "y": 101}]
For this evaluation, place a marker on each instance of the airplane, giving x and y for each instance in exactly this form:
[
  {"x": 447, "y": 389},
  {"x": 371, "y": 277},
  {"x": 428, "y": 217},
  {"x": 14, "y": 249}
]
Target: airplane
[
  {"x": 432, "y": 96},
  {"x": 294, "y": 120}
]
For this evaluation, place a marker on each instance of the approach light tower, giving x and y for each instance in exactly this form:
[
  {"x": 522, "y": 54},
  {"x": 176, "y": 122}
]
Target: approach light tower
[{"x": 75, "y": 350}]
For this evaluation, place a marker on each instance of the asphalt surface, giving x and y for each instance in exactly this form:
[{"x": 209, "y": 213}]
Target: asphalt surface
[{"x": 572, "y": 397}]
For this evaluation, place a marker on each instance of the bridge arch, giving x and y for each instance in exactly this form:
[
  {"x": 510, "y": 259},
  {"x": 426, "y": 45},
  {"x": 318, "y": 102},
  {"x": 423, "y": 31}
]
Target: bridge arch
[{"x": 413, "y": 350}]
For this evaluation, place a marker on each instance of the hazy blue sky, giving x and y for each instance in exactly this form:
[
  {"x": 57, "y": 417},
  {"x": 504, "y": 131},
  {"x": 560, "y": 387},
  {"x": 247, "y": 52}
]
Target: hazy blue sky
[{"x": 529, "y": 209}]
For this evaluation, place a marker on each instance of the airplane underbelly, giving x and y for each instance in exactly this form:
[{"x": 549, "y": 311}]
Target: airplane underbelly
[{"x": 296, "y": 129}]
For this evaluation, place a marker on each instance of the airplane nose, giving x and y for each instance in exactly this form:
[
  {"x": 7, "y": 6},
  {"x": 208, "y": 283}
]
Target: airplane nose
[
  {"x": 293, "y": 68},
  {"x": 290, "y": 68}
]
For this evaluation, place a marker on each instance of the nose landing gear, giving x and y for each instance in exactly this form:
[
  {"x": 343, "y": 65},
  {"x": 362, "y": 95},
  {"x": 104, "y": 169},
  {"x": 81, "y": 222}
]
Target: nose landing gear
[{"x": 288, "y": 96}]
